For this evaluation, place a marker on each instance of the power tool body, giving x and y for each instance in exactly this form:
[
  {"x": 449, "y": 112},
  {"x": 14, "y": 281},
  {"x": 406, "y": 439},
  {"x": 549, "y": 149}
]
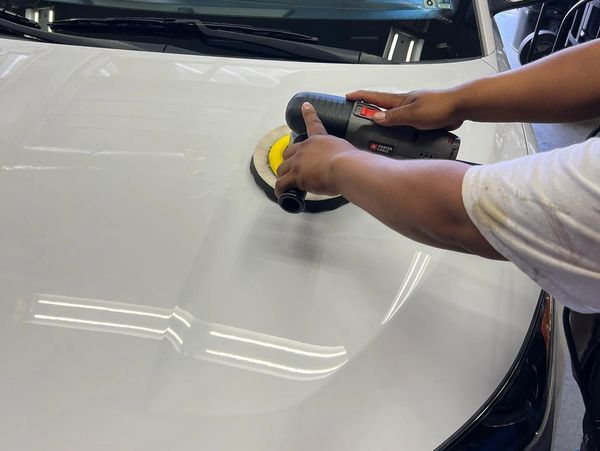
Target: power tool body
[{"x": 353, "y": 121}]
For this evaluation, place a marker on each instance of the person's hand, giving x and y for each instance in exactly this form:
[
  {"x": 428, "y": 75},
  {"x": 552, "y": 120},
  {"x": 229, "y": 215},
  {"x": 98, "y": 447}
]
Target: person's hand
[
  {"x": 308, "y": 165},
  {"x": 425, "y": 110}
]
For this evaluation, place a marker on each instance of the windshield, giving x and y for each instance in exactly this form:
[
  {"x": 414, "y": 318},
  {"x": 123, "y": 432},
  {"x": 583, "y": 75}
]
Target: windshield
[{"x": 397, "y": 31}]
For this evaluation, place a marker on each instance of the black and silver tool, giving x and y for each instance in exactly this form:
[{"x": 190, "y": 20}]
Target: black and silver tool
[
  {"x": 349, "y": 120},
  {"x": 353, "y": 121}
]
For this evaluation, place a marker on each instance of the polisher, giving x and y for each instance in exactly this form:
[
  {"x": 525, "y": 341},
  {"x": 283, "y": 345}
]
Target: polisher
[{"x": 349, "y": 120}]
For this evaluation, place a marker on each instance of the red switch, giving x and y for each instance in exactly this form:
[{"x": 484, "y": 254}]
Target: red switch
[
  {"x": 370, "y": 112},
  {"x": 367, "y": 112}
]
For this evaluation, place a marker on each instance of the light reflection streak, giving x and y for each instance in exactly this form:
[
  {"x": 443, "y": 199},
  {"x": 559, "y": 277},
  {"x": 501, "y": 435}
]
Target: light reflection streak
[
  {"x": 32, "y": 168},
  {"x": 275, "y": 365},
  {"x": 232, "y": 73},
  {"x": 116, "y": 310},
  {"x": 98, "y": 323},
  {"x": 410, "y": 50},
  {"x": 419, "y": 264},
  {"x": 174, "y": 335},
  {"x": 275, "y": 346},
  {"x": 12, "y": 65},
  {"x": 104, "y": 153},
  {"x": 162, "y": 332},
  {"x": 193, "y": 69},
  {"x": 393, "y": 47},
  {"x": 191, "y": 337}
]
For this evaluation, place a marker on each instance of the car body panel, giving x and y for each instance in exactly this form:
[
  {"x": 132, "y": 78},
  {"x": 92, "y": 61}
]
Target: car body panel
[{"x": 191, "y": 312}]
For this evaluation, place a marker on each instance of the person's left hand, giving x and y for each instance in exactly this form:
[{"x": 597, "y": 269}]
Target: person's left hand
[{"x": 308, "y": 165}]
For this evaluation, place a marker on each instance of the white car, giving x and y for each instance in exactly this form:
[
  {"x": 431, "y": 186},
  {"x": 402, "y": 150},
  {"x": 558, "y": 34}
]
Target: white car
[{"x": 154, "y": 298}]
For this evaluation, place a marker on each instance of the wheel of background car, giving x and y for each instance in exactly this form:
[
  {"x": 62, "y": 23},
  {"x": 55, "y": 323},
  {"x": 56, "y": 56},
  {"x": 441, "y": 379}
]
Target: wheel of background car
[{"x": 543, "y": 46}]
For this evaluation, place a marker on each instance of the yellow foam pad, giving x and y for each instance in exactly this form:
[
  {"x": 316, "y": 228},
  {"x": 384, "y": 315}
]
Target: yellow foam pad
[{"x": 276, "y": 152}]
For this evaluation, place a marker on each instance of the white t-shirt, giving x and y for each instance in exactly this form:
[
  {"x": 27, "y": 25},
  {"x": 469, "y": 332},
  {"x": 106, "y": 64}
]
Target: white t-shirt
[{"x": 542, "y": 212}]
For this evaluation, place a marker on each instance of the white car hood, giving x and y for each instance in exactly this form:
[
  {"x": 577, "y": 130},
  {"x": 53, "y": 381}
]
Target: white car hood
[{"x": 153, "y": 298}]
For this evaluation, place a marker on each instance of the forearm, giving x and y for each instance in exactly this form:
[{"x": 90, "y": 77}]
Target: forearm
[
  {"x": 419, "y": 199},
  {"x": 563, "y": 87}
]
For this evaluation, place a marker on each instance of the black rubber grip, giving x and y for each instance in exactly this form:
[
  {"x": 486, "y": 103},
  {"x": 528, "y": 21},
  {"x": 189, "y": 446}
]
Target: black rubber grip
[
  {"x": 293, "y": 200},
  {"x": 334, "y": 111}
]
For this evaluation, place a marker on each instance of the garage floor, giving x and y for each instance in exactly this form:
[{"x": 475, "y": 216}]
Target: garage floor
[{"x": 549, "y": 136}]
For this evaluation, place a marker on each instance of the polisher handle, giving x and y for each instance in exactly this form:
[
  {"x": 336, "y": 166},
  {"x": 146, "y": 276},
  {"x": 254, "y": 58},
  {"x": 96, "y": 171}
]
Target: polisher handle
[
  {"x": 334, "y": 112},
  {"x": 353, "y": 121}
]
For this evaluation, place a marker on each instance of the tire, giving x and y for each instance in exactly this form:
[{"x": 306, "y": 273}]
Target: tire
[{"x": 543, "y": 46}]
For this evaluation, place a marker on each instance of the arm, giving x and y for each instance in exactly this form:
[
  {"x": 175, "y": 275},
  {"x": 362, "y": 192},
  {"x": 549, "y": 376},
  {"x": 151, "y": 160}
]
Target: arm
[
  {"x": 562, "y": 87},
  {"x": 419, "y": 199}
]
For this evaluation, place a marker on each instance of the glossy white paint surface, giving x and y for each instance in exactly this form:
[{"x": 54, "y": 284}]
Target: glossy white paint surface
[{"x": 153, "y": 298}]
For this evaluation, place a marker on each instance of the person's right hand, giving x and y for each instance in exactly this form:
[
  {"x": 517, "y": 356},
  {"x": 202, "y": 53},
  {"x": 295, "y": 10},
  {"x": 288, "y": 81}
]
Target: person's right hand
[{"x": 425, "y": 110}]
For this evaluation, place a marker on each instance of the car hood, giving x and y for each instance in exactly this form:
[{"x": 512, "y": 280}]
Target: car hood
[{"x": 154, "y": 298}]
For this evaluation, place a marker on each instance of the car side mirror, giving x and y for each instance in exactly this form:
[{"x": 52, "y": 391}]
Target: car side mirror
[{"x": 498, "y": 6}]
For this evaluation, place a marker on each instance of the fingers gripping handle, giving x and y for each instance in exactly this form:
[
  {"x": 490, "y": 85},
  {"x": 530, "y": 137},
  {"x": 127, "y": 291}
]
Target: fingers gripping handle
[
  {"x": 334, "y": 112},
  {"x": 353, "y": 121},
  {"x": 293, "y": 199}
]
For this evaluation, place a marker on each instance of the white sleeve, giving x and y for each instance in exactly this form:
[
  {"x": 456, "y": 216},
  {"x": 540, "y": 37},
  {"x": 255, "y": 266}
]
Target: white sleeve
[{"x": 542, "y": 212}]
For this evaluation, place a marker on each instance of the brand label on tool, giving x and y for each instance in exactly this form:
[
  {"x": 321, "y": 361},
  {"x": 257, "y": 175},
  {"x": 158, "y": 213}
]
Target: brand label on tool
[{"x": 380, "y": 148}]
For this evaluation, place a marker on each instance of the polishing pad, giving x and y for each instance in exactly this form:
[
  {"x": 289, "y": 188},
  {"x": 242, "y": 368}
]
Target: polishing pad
[{"x": 268, "y": 155}]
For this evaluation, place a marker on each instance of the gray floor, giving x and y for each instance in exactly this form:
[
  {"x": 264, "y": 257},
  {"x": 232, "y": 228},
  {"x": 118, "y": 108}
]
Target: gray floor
[{"x": 549, "y": 136}]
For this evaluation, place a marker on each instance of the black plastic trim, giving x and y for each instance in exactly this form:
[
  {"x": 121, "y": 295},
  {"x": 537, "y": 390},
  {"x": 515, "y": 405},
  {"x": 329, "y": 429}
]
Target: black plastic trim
[{"x": 506, "y": 382}]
